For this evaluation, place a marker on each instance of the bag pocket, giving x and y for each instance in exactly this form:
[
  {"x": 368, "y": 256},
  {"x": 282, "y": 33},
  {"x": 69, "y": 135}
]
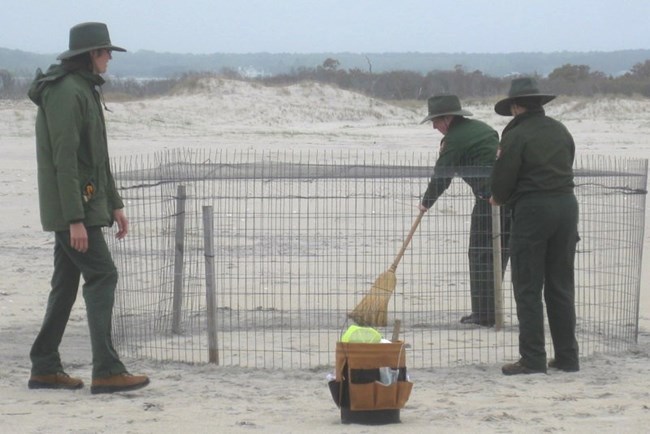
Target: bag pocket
[
  {"x": 335, "y": 390},
  {"x": 385, "y": 396},
  {"x": 403, "y": 392},
  {"x": 362, "y": 396},
  {"x": 378, "y": 396}
]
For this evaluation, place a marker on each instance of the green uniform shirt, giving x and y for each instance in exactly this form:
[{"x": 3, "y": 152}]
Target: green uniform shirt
[
  {"x": 468, "y": 149},
  {"x": 535, "y": 156},
  {"x": 74, "y": 178}
]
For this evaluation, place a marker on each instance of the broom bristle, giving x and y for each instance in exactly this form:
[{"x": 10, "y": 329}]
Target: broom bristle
[{"x": 372, "y": 311}]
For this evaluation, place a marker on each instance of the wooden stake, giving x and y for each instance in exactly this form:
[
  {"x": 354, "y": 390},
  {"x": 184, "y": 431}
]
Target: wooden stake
[
  {"x": 179, "y": 254},
  {"x": 211, "y": 304},
  {"x": 396, "y": 327},
  {"x": 497, "y": 267}
]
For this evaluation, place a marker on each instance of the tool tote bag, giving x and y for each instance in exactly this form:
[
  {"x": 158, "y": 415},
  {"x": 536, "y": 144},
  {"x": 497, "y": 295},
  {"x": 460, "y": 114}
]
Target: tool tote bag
[{"x": 358, "y": 376}]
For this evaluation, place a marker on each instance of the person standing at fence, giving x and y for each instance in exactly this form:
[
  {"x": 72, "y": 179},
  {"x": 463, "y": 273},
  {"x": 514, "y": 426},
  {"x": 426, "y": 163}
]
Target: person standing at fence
[
  {"x": 77, "y": 197},
  {"x": 534, "y": 174},
  {"x": 468, "y": 148}
]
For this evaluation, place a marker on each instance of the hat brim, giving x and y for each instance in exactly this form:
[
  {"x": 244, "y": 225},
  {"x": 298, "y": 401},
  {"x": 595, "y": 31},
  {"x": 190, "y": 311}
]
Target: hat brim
[
  {"x": 503, "y": 107},
  {"x": 454, "y": 113},
  {"x": 71, "y": 53}
]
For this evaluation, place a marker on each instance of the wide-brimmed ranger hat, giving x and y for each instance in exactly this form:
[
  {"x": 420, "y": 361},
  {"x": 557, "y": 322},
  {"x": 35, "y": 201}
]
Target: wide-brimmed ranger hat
[
  {"x": 86, "y": 37},
  {"x": 523, "y": 87},
  {"x": 444, "y": 105}
]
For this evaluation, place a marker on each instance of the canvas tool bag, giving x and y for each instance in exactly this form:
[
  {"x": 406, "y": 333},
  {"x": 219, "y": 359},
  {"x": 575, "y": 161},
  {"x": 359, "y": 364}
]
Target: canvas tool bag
[{"x": 357, "y": 372}]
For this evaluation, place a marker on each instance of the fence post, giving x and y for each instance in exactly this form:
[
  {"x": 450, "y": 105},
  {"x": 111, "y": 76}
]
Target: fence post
[
  {"x": 208, "y": 241},
  {"x": 496, "y": 267},
  {"x": 179, "y": 254}
]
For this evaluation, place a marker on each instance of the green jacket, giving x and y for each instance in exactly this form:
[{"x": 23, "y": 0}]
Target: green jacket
[
  {"x": 535, "y": 156},
  {"x": 74, "y": 178},
  {"x": 468, "y": 149}
]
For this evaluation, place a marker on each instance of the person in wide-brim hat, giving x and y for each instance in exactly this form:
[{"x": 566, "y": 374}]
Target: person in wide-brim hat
[
  {"x": 524, "y": 87},
  {"x": 467, "y": 150},
  {"x": 78, "y": 197},
  {"x": 444, "y": 105},
  {"x": 533, "y": 175},
  {"x": 86, "y": 37}
]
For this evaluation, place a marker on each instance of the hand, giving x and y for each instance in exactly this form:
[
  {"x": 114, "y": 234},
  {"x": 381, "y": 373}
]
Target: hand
[
  {"x": 493, "y": 202},
  {"x": 422, "y": 208},
  {"x": 78, "y": 237},
  {"x": 122, "y": 223}
]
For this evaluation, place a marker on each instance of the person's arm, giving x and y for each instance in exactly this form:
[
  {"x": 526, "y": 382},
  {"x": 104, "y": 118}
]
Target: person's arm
[
  {"x": 443, "y": 173},
  {"x": 78, "y": 237},
  {"x": 122, "y": 223},
  {"x": 505, "y": 171},
  {"x": 111, "y": 189},
  {"x": 64, "y": 116}
]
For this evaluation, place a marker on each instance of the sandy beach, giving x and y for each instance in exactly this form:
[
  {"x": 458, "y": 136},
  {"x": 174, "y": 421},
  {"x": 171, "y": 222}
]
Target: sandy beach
[{"x": 611, "y": 393}]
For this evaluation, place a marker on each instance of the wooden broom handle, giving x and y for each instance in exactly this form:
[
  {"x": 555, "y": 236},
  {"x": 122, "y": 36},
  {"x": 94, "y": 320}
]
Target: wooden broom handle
[{"x": 407, "y": 241}]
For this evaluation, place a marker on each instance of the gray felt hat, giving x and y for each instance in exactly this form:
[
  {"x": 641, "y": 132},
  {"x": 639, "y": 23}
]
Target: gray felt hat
[
  {"x": 521, "y": 88},
  {"x": 444, "y": 105},
  {"x": 86, "y": 37}
]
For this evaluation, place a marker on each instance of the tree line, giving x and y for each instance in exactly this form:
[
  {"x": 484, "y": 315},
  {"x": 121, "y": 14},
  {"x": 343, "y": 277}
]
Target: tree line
[
  {"x": 573, "y": 80},
  {"x": 568, "y": 79}
]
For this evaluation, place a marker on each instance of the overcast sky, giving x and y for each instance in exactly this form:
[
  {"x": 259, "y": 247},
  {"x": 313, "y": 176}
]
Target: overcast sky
[{"x": 358, "y": 26}]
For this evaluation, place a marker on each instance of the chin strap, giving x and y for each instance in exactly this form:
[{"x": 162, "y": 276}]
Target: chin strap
[{"x": 101, "y": 98}]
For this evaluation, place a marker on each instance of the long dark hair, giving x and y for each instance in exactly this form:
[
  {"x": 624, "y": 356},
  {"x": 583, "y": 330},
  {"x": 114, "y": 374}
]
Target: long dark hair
[{"x": 80, "y": 61}]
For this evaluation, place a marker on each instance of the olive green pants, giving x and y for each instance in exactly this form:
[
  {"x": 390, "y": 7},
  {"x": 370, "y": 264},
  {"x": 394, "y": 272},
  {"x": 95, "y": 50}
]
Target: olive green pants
[
  {"x": 542, "y": 247},
  {"x": 100, "y": 279}
]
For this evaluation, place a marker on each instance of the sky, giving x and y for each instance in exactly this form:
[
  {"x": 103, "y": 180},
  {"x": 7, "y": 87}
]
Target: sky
[{"x": 356, "y": 26}]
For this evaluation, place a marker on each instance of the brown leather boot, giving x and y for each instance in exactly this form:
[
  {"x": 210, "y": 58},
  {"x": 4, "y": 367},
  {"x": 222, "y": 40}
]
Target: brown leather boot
[
  {"x": 571, "y": 367},
  {"x": 118, "y": 383},
  {"x": 518, "y": 368},
  {"x": 60, "y": 380}
]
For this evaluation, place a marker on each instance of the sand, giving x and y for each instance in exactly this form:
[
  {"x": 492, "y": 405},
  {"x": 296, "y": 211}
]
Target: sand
[{"x": 611, "y": 393}]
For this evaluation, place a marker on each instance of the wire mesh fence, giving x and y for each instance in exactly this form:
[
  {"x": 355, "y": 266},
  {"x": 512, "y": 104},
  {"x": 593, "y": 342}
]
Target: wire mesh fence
[{"x": 255, "y": 258}]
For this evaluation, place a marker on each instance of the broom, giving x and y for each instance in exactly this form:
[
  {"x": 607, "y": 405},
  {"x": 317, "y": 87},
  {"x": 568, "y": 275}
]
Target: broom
[{"x": 372, "y": 311}]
